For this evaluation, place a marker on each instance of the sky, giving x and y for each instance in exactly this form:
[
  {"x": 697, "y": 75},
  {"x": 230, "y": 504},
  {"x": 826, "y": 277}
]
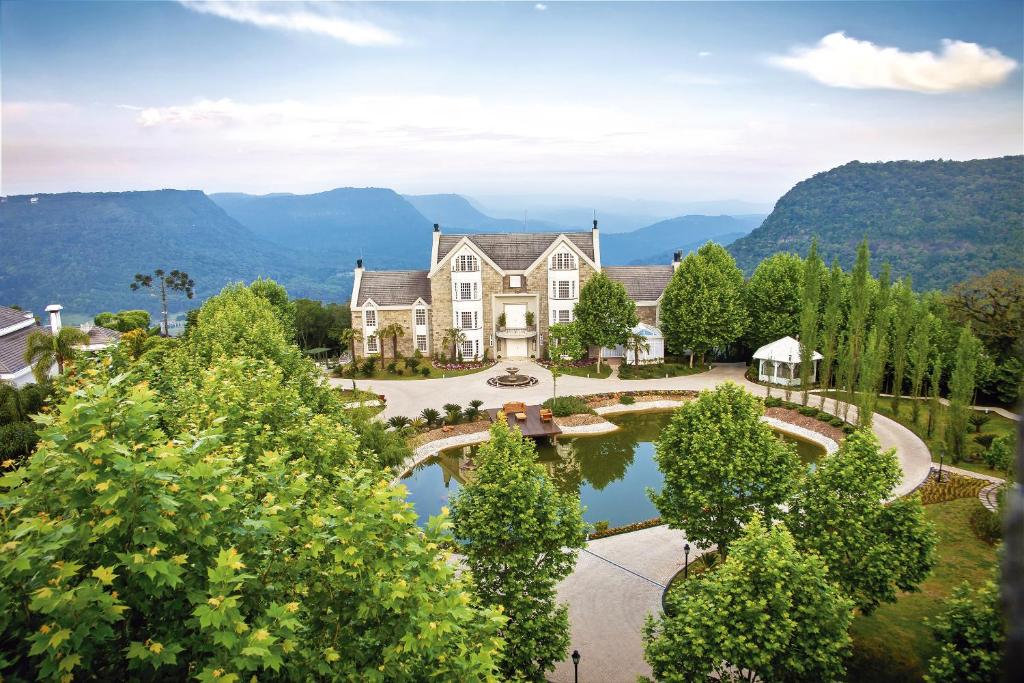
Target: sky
[{"x": 657, "y": 101}]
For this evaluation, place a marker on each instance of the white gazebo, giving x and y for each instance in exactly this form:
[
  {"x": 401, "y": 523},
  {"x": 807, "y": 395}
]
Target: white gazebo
[
  {"x": 779, "y": 362},
  {"x": 654, "y": 353}
]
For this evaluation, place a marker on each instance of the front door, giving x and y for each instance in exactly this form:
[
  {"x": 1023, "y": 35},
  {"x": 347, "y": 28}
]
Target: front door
[
  {"x": 515, "y": 315},
  {"x": 516, "y": 348}
]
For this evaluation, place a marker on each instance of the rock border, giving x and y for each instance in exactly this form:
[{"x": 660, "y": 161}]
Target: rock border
[{"x": 828, "y": 444}]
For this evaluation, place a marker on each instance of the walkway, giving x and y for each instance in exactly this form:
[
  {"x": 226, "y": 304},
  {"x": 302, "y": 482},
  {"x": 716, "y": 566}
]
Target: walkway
[{"x": 618, "y": 580}]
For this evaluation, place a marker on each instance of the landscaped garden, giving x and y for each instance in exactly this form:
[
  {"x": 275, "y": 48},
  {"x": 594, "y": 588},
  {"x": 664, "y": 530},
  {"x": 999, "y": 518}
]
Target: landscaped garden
[
  {"x": 410, "y": 367},
  {"x": 658, "y": 370}
]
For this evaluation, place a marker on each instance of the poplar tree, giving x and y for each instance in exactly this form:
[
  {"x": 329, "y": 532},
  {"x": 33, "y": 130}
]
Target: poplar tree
[
  {"x": 933, "y": 403},
  {"x": 920, "y": 349},
  {"x": 901, "y": 330},
  {"x": 833, "y": 320},
  {"x": 703, "y": 305},
  {"x": 860, "y": 305},
  {"x": 869, "y": 376},
  {"x": 810, "y": 302},
  {"x": 961, "y": 391}
]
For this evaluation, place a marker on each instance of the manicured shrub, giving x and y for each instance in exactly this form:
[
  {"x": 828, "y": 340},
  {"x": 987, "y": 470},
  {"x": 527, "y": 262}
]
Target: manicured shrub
[
  {"x": 425, "y": 371},
  {"x": 600, "y": 525},
  {"x": 849, "y": 429},
  {"x": 836, "y": 422},
  {"x": 393, "y": 367},
  {"x": 823, "y": 416},
  {"x": 978, "y": 420},
  {"x": 431, "y": 416},
  {"x": 984, "y": 440},
  {"x": 808, "y": 411},
  {"x": 563, "y": 406},
  {"x": 986, "y": 525},
  {"x": 453, "y": 413},
  {"x": 772, "y": 402},
  {"x": 627, "y": 400}
]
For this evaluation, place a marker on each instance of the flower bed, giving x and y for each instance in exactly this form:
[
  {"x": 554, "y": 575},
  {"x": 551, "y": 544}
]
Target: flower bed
[
  {"x": 810, "y": 423},
  {"x": 615, "y": 531},
  {"x": 581, "y": 363},
  {"x": 463, "y": 365},
  {"x": 953, "y": 486},
  {"x": 602, "y": 400}
]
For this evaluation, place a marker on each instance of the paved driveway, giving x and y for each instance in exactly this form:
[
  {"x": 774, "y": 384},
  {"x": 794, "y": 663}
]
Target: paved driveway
[{"x": 618, "y": 581}]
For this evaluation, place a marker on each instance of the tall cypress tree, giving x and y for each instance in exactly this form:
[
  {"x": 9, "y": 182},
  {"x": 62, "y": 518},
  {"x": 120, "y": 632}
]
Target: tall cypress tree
[
  {"x": 920, "y": 349},
  {"x": 832, "y": 322},
  {"x": 935, "y": 380},
  {"x": 872, "y": 366},
  {"x": 904, "y": 322},
  {"x": 883, "y": 319},
  {"x": 810, "y": 303},
  {"x": 961, "y": 392},
  {"x": 860, "y": 305}
]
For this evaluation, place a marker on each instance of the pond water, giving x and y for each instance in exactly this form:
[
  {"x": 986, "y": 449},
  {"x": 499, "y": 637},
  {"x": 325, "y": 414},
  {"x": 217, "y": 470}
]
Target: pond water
[{"x": 611, "y": 471}]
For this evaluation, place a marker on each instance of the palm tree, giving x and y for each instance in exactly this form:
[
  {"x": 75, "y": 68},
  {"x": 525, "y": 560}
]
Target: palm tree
[
  {"x": 393, "y": 332},
  {"x": 431, "y": 416},
  {"x": 454, "y": 337},
  {"x": 639, "y": 343},
  {"x": 43, "y": 349},
  {"x": 349, "y": 337}
]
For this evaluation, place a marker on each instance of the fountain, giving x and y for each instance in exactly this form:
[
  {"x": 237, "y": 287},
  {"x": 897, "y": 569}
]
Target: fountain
[{"x": 512, "y": 378}]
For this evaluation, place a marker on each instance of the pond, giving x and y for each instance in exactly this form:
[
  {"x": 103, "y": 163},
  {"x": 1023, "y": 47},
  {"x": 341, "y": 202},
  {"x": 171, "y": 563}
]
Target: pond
[{"x": 611, "y": 471}]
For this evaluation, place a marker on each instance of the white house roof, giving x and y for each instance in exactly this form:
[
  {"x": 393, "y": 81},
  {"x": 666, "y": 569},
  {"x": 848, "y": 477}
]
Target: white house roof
[{"x": 785, "y": 350}]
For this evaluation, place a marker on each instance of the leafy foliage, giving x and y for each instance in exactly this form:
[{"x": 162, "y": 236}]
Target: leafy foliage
[
  {"x": 124, "y": 321},
  {"x": 772, "y": 297},
  {"x": 722, "y": 465},
  {"x": 940, "y": 222},
  {"x": 768, "y": 613},
  {"x": 605, "y": 314},
  {"x": 520, "y": 536},
  {"x": 873, "y": 550},
  {"x": 971, "y": 636}
]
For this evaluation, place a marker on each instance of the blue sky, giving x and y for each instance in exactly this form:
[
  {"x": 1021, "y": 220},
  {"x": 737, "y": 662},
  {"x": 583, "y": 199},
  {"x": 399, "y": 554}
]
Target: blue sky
[{"x": 668, "y": 101}]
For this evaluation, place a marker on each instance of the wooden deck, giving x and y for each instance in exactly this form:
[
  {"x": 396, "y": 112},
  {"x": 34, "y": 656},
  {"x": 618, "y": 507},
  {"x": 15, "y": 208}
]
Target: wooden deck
[{"x": 532, "y": 426}]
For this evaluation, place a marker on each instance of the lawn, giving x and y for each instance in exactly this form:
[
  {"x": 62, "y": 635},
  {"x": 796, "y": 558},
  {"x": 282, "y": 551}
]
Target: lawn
[
  {"x": 404, "y": 372},
  {"x": 658, "y": 370},
  {"x": 998, "y": 425},
  {"x": 589, "y": 371},
  {"x": 894, "y": 643}
]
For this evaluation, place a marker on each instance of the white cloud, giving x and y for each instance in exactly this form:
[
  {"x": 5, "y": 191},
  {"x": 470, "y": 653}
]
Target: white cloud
[
  {"x": 290, "y": 16},
  {"x": 845, "y": 62},
  {"x": 703, "y": 53},
  {"x": 540, "y": 7}
]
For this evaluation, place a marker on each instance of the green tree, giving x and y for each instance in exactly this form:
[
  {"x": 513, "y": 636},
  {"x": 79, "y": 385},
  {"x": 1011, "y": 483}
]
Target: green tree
[
  {"x": 934, "y": 384},
  {"x": 872, "y": 367},
  {"x": 722, "y": 465},
  {"x": 769, "y": 613},
  {"x": 318, "y": 325},
  {"x": 604, "y": 314},
  {"x": 277, "y": 295},
  {"x": 637, "y": 343},
  {"x": 873, "y": 550},
  {"x": 833, "y": 319},
  {"x": 393, "y": 331},
  {"x": 175, "y": 281},
  {"x": 454, "y": 338},
  {"x": 772, "y": 298},
  {"x": 860, "y": 306},
  {"x": 349, "y": 337},
  {"x": 971, "y": 635},
  {"x": 810, "y": 302},
  {"x": 520, "y": 536},
  {"x": 901, "y": 338},
  {"x": 702, "y": 307},
  {"x": 920, "y": 350},
  {"x": 565, "y": 346},
  {"x": 43, "y": 350},
  {"x": 961, "y": 392},
  {"x": 124, "y": 321}
]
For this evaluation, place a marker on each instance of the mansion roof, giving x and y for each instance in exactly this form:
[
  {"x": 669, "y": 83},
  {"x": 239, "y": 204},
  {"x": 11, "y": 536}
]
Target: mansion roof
[
  {"x": 12, "y": 349},
  {"x": 393, "y": 287},
  {"x": 12, "y": 316},
  {"x": 100, "y": 335},
  {"x": 642, "y": 283},
  {"x": 516, "y": 250}
]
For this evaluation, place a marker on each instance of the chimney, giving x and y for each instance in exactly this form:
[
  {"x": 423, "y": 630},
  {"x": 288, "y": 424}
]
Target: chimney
[
  {"x": 437, "y": 227},
  {"x": 435, "y": 238},
  {"x": 54, "y": 311},
  {"x": 359, "y": 264},
  {"x": 676, "y": 258},
  {"x": 357, "y": 280},
  {"x": 595, "y": 224}
]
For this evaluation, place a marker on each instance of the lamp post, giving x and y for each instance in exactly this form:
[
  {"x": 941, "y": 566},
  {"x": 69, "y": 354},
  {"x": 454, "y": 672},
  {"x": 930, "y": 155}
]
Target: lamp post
[
  {"x": 942, "y": 457},
  {"x": 686, "y": 561},
  {"x": 576, "y": 666}
]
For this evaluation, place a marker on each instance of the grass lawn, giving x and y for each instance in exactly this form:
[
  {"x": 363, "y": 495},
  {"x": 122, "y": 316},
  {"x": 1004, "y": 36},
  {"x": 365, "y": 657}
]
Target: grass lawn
[
  {"x": 405, "y": 373},
  {"x": 657, "y": 370},
  {"x": 349, "y": 395},
  {"x": 998, "y": 426},
  {"x": 589, "y": 371},
  {"x": 894, "y": 643}
]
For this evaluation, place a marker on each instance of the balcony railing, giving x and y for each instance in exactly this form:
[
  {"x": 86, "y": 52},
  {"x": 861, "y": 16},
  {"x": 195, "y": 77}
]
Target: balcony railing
[{"x": 506, "y": 332}]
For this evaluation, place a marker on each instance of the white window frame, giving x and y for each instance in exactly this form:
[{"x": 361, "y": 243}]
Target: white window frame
[
  {"x": 421, "y": 343},
  {"x": 463, "y": 318},
  {"x": 563, "y": 315},
  {"x": 556, "y": 289},
  {"x": 371, "y": 344},
  {"x": 370, "y": 317},
  {"x": 563, "y": 260},
  {"x": 421, "y": 316},
  {"x": 515, "y": 281},
  {"x": 465, "y": 263},
  {"x": 467, "y": 349}
]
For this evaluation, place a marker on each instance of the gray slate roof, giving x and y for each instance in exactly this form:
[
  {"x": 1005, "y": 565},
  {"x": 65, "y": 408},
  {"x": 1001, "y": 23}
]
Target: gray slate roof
[
  {"x": 642, "y": 283},
  {"x": 394, "y": 287},
  {"x": 516, "y": 250},
  {"x": 102, "y": 335},
  {"x": 12, "y": 349},
  {"x": 11, "y": 316}
]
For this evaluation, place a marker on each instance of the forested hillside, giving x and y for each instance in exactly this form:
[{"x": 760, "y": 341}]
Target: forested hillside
[
  {"x": 82, "y": 249},
  {"x": 940, "y": 221}
]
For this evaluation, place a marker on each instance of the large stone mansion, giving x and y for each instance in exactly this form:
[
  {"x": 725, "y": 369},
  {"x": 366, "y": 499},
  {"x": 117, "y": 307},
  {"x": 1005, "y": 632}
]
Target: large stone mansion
[{"x": 502, "y": 290}]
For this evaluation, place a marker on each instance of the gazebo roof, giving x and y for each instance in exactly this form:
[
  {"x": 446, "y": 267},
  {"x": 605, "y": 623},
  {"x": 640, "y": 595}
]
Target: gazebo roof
[
  {"x": 645, "y": 330},
  {"x": 785, "y": 350}
]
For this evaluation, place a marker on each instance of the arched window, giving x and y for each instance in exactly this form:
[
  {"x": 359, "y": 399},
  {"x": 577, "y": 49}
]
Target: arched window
[
  {"x": 563, "y": 260},
  {"x": 466, "y": 263}
]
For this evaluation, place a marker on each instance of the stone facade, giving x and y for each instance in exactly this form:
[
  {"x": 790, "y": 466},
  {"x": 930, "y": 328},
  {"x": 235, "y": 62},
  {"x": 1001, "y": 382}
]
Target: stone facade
[{"x": 648, "y": 315}]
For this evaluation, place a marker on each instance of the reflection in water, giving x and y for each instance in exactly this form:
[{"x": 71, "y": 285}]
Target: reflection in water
[{"x": 611, "y": 471}]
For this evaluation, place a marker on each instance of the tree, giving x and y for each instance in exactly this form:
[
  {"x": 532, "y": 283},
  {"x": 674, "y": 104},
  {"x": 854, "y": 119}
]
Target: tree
[
  {"x": 769, "y": 613},
  {"x": 902, "y": 327},
  {"x": 872, "y": 367},
  {"x": 873, "y": 550},
  {"x": 993, "y": 305},
  {"x": 860, "y": 305},
  {"x": 639, "y": 344},
  {"x": 175, "y": 281},
  {"x": 702, "y": 307},
  {"x": 43, "y": 350},
  {"x": 972, "y": 637},
  {"x": 277, "y": 296},
  {"x": 961, "y": 392},
  {"x": 392, "y": 331},
  {"x": 934, "y": 382},
  {"x": 564, "y": 346},
  {"x": 920, "y": 350},
  {"x": 454, "y": 337},
  {"x": 722, "y": 465},
  {"x": 349, "y": 337},
  {"x": 832, "y": 323},
  {"x": 810, "y": 295},
  {"x": 520, "y": 536},
  {"x": 604, "y": 314},
  {"x": 124, "y": 321},
  {"x": 772, "y": 298}
]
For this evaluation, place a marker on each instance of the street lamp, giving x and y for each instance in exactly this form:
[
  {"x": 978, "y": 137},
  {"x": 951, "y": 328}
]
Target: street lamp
[
  {"x": 686, "y": 561},
  {"x": 576, "y": 666},
  {"x": 942, "y": 457}
]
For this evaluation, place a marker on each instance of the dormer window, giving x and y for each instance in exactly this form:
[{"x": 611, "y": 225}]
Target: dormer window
[
  {"x": 466, "y": 263},
  {"x": 563, "y": 260},
  {"x": 370, "y": 316}
]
